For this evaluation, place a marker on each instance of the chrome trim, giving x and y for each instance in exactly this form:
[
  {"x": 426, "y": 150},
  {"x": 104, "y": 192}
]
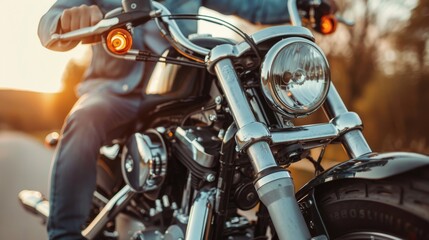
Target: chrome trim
[
  {"x": 144, "y": 157},
  {"x": 281, "y": 31},
  {"x": 218, "y": 53},
  {"x": 35, "y": 202},
  {"x": 99, "y": 28},
  {"x": 180, "y": 40},
  {"x": 250, "y": 134},
  {"x": 234, "y": 51},
  {"x": 355, "y": 144},
  {"x": 200, "y": 217},
  {"x": 197, "y": 151},
  {"x": 108, "y": 212},
  {"x": 43, "y": 208},
  {"x": 305, "y": 134},
  {"x": 100, "y": 197},
  {"x": 159, "y": 154},
  {"x": 276, "y": 191},
  {"x": 272, "y": 177},
  {"x": 346, "y": 127},
  {"x": 259, "y": 152},
  {"x": 295, "y": 18},
  {"x": 334, "y": 105},
  {"x": 266, "y": 83},
  {"x": 261, "y": 156},
  {"x": 313, "y": 136},
  {"x": 347, "y": 121},
  {"x": 113, "y": 12},
  {"x": 353, "y": 141},
  {"x": 186, "y": 197},
  {"x": 111, "y": 152},
  {"x": 234, "y": 93}
]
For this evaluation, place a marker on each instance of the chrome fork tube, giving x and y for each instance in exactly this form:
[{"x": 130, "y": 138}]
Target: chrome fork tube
[
  {"x": 242, "y": 113},
  {"x": 353, "y": 141},
  {"x": 273, "y": 184},
  {"x": 201, "y": 213}
]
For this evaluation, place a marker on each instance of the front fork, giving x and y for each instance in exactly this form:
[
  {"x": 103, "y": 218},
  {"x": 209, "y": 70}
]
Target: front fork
[{"x": 273, "y": 183}]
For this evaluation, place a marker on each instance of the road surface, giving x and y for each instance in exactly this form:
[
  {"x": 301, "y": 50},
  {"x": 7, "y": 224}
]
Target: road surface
[{"x": 24, "y": 164}]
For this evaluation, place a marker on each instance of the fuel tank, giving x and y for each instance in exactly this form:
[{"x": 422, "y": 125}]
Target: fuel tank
[{"x": 182, "y": 82}]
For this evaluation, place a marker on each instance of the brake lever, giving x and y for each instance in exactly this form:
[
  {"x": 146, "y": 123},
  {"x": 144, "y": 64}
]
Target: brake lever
[
  {"x": 79, "y": 34},
  {"x": 134, "y": 18}
]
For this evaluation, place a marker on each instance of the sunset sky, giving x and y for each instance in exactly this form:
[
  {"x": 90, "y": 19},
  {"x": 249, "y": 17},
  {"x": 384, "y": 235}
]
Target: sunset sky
[{"x": 24, "y": 63}]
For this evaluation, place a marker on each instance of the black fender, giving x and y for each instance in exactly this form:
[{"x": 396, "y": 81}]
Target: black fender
[{"x": 369, "y": 166}]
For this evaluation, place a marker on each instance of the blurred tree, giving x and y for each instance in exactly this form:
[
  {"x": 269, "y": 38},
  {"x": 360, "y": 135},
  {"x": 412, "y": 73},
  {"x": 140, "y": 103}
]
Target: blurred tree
[
  {"x": 394, "y": 102},
  {"x": 380, "y": 67},
  {"x": 354, "y": 51},
  {"x": 417, "y": 35}
]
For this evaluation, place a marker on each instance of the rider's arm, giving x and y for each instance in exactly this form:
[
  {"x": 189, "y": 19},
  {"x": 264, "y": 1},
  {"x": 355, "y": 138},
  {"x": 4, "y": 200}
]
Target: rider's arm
[
  {"x": 255, "y": 11},
  {"x": 64, "y": 16}
]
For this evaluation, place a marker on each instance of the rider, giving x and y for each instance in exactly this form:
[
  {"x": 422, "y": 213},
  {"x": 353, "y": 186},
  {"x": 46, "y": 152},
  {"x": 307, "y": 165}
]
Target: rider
[{"x": 110, "y": 96}]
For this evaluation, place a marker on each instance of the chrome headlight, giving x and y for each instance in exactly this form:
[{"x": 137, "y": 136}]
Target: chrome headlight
[{"x": 295, "y": 77}]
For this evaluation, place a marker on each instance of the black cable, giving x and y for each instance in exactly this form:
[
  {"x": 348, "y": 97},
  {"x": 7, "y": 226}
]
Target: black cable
[
  {"x": 317, "y": 165},
  {"x": 220, "y": 22},
  {"x": 208, "y": 107},
  {"x": 150, "y": 57}
]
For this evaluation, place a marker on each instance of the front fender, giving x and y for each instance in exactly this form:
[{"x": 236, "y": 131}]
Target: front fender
[{"x": 370, "y": 166}]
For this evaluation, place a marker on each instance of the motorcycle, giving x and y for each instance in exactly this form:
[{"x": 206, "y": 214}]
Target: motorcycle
[{"x": 218, "y": 137}]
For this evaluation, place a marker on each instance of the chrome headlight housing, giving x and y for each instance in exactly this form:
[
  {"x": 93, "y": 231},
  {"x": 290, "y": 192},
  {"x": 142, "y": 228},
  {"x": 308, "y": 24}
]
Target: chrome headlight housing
[{"x": 295, "y": 77}]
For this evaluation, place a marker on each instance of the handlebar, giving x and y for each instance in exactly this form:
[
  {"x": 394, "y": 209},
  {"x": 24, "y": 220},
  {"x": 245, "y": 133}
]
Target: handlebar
[
  {"x": 172, "y": 33},
  {"x": 166, "y": 24},
  {"x": 295, "y": 18},
  {"x": 178, "y": 39}
]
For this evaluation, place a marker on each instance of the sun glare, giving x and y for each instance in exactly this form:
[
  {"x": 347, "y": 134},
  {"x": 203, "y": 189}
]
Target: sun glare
[{"x": 24, "y": 63}]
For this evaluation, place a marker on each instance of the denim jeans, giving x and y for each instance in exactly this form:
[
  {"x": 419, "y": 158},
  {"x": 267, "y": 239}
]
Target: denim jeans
[{"x": 96, "y": 118}]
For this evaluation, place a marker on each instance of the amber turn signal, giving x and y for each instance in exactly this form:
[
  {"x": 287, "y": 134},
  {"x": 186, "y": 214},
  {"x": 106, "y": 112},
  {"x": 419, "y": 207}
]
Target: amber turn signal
[
  {"x": 119, "y": 41},
  {"x": 328, "y": 24}
]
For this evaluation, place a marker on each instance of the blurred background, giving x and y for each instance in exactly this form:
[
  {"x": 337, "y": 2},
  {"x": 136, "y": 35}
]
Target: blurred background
[{"x": 380, "y": 67}]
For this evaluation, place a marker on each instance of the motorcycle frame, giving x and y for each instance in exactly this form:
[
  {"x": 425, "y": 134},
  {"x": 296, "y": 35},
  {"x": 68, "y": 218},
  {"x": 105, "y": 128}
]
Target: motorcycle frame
[{"x": 273, "y": 184}]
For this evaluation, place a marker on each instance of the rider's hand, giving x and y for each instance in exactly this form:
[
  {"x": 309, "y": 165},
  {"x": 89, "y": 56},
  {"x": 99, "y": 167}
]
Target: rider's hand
[{"x": 79, "y": 17}]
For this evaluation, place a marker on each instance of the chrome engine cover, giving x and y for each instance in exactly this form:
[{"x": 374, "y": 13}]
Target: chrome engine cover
[
  {"x": 196, "y": 143},
  {"x": 144, "y": 161}
]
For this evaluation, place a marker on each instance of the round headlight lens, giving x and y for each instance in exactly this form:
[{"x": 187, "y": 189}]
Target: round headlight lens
[{"x": 295, "y": 77}]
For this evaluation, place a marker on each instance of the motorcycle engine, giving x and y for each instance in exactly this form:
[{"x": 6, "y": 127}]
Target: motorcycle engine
[
  {"x": 144, "y": 161},
  {"x": 198, "y": 149}
]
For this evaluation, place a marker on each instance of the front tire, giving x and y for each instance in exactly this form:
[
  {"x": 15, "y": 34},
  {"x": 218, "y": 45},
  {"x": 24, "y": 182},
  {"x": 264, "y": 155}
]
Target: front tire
[{"x": 392, "y": 208}]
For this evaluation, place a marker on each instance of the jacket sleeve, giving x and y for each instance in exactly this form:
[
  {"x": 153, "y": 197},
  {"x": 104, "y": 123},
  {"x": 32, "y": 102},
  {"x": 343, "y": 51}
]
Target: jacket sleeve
[
  {"x": 255, "y": 11},
  {"x": 49, "y": 24}
]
